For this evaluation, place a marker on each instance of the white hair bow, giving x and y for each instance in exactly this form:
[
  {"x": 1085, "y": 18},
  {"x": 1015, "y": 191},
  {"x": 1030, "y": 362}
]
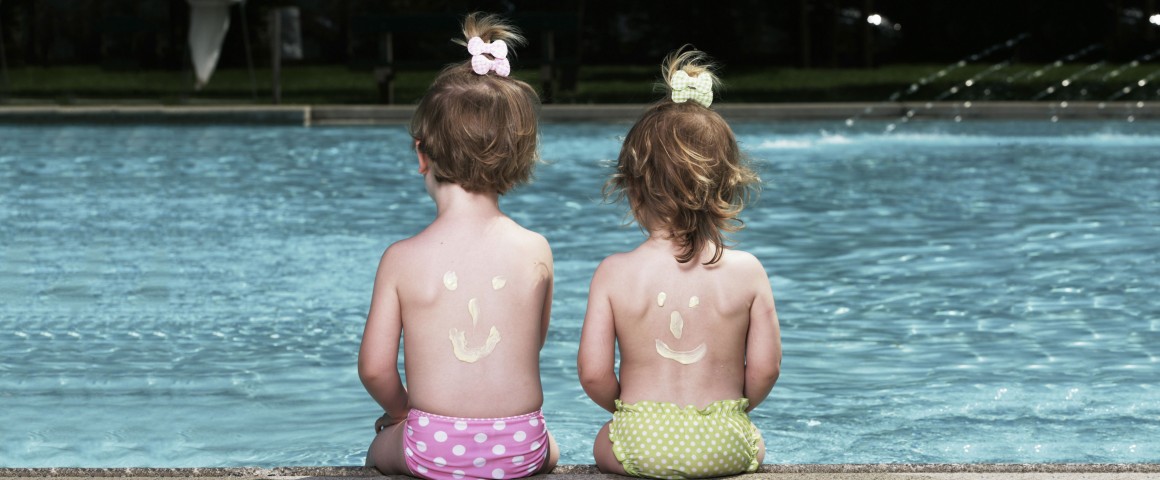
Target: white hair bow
[
  {"x": 698, "y": 88},
  {"x": 480, "y": 64}
]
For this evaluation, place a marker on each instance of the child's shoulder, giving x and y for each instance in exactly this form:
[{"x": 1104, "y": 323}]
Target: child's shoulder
[
  {"x": 740, "y": 258},
  {"x": 400, "y": 250},
  {"x": 619, "y": 261},
  {"x": 523, "y": 237},
  {"x": 743, "y": 269},
  {"x": 741, "y": 262}
]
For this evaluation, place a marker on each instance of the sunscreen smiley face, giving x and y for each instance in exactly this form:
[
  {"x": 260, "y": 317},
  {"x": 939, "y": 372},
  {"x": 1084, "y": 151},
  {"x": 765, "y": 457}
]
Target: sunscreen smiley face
[
  {"x": 677, "y": 328},
  {"x": 459, "y": 347}
]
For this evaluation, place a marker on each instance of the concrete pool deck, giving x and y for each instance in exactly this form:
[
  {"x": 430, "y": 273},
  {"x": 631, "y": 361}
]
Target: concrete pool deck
[
  {"x": 112, "y": 113},
  {"x": 589, "y": 472}
]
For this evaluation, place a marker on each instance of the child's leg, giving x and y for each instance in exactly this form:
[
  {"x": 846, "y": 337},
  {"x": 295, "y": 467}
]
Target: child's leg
[
  {"x": 761, "y": 451},
  {"x": 602, "y": 451},
  {"x": 386, "y": 451},
  {"x": 553, "y": 456}
]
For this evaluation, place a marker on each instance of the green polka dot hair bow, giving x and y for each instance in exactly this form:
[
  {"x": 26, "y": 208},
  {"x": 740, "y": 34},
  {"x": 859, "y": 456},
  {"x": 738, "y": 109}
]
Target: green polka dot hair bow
[{"x": 698, "y": 88}]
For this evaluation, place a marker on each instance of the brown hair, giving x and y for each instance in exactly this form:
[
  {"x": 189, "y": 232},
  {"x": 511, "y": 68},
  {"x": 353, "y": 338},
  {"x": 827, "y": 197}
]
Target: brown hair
[
  {"x": 479, "y": 131},
  {"x": 681, "y": 169}
]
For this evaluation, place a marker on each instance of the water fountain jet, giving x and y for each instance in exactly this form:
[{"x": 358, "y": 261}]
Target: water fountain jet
[{"x": 926, "y": 80}]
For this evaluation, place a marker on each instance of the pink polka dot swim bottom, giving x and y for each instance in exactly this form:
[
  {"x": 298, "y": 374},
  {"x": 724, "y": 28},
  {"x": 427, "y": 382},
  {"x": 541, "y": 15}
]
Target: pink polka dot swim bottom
[{"x": 439, "y": 447}]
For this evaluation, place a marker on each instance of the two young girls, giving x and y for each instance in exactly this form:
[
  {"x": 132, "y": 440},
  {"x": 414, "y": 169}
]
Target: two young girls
[{"x": 694, "y": 320}]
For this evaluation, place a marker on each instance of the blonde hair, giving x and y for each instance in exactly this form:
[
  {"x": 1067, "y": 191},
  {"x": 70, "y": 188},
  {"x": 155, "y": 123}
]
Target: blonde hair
[
  {"x": 681, "y": 169},
  {"x": 479, "y": 131}
]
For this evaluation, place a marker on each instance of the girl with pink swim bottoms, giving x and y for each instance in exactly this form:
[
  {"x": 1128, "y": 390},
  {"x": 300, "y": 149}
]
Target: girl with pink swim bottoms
[{"x": 472, "y": 290}]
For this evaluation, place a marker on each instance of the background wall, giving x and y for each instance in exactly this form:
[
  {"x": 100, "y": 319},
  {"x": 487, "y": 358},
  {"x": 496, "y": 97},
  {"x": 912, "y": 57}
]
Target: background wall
[{"x": 150, "y": 34}]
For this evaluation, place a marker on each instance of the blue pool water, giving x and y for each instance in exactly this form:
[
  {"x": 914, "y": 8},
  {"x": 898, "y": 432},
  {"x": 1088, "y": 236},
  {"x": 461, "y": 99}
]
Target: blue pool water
[{"x": 975, "y": 292}]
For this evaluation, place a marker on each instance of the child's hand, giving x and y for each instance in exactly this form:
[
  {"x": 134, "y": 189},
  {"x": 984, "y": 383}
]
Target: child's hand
[
  {"x": 387, "y": 420},
  {"x": 382, "y": 423}
]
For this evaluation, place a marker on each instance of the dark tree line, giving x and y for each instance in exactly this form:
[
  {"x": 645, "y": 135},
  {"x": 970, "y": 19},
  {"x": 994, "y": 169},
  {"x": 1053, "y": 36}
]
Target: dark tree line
[{"x": 151, "y": 34}]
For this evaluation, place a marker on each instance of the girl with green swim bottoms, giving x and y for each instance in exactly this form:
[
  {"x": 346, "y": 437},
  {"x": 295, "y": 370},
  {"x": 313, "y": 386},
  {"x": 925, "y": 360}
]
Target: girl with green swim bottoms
[{"x": 694, "y": 319}]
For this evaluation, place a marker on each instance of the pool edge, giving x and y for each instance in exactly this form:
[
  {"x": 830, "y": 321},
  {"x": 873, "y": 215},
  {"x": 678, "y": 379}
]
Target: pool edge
[
  {"x": 853, "y": 471},
  {"x": 307, "y": 115}
]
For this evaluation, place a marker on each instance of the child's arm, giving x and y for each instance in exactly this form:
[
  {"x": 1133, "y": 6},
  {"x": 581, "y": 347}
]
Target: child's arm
[
  {"x": 763, "y": 344},
  {"x": 595, "y": 362},
  {"x": 549, "y": 272},
  {"x": 378, "y": 366}
]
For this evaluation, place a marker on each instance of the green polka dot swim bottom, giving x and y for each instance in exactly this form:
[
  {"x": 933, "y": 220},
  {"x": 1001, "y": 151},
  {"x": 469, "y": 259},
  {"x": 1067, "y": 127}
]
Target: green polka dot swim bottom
[{"x": 662, "y": 440}]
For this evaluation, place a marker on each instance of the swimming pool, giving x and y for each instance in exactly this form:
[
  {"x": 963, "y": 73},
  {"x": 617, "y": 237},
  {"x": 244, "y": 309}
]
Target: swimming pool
[{"x": 194, "y": 296}]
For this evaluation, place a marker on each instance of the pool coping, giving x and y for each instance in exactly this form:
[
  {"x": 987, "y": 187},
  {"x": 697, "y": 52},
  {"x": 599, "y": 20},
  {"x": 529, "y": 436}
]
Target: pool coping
[
  {"x": 586, "y": 472},
  {"x": 308, "y": 115}
]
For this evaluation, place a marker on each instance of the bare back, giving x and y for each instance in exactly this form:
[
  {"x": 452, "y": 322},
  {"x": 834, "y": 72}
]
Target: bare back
[
  {"x": 474, "y": 301},
  {"x": 681, "y": 328}
]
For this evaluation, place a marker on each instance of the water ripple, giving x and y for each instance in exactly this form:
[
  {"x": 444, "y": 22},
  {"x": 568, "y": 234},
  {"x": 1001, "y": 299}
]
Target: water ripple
[{"x": 981, "y": 292}]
